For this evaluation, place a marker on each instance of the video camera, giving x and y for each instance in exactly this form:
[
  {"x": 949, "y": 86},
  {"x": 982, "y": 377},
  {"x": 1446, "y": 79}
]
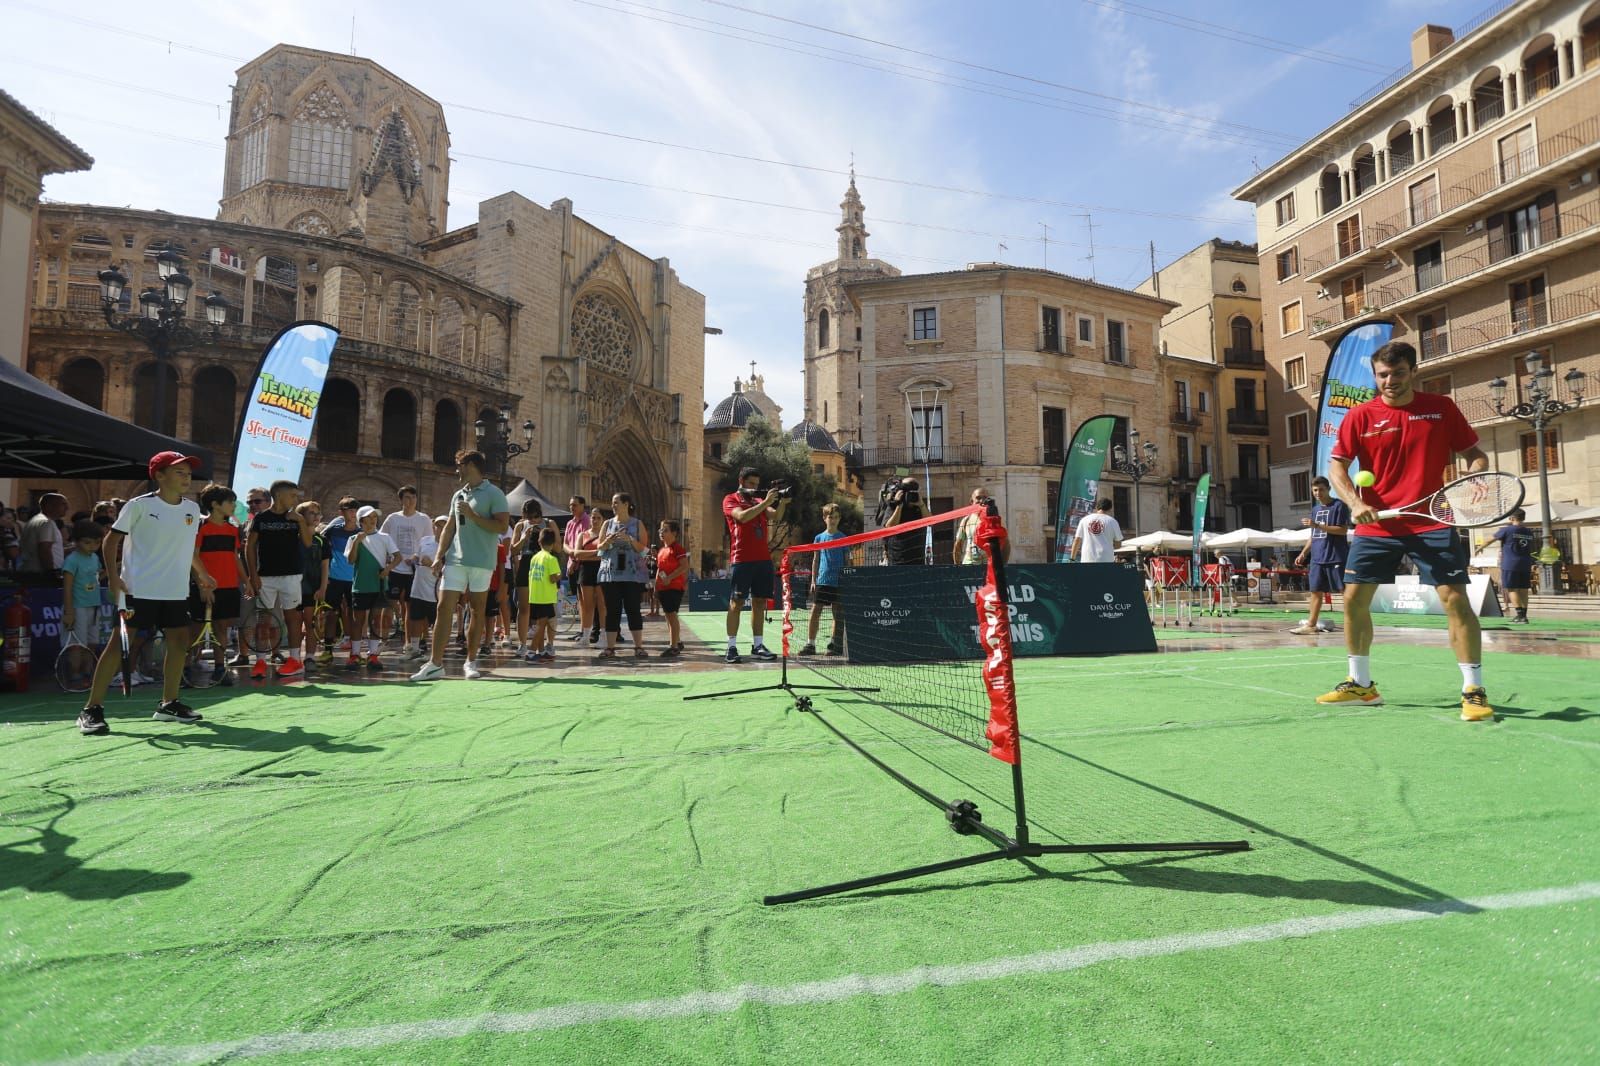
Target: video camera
[
  {"x": 785, "y": 491},
  {"x": 896, "y": 492}
]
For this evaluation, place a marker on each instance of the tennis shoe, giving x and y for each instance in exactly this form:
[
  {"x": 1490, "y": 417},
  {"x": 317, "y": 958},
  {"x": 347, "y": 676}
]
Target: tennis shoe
[
  {"x": 240, "y": 658},
  {"x": 1347, "y": 691},
  {"x": 325, "y": 656},
  {"x": 227, "y": 679},
  {"x": 92, "y": 721},
  {"x": 291, "y": 666},
  {"x": 733, "y": 656},
  {"x": 809, "y": 649},
  {"x": 470, "y": 670},
  {"x": 413, "y": 653},
  {"x": 762, "y": 652},
  {"x": 1323, "y": 627},
  {"x": 140, "y": 679},
  {"x": 1475, "y": 705},
  {"x": 176, "y": 711},
  {"x": 429, "y": 672},
  {"x": 353, "y": 663},
  {"x": 374, "y": 663},
  {"x": 1304, "y": 629},
  {"x": 835, "y": 649},
  {"x": 259, "y": 671}
]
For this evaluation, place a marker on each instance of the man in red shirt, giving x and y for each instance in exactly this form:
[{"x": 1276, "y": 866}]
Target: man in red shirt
[
  {"x": 745, "y": 511},
  {"x": 1406, "y": 439}
]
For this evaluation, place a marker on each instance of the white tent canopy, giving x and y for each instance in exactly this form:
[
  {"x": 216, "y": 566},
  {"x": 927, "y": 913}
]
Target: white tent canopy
[
  {"x": 1160, "y": 541},
  {"x": 1240, "y": 539},
  {"x": 1292, "y": 538}
]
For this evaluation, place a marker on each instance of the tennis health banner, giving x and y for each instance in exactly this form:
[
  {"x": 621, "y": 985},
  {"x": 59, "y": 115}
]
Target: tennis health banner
[
  {"x": 275, "y": 430},
  {"x": 1080, "y": 479},
  {"x": 1347, "y": 382}
]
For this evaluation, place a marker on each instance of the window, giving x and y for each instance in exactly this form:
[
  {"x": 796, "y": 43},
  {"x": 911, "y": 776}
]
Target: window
[
  {"x": 1528, "y": 309},
  {"x": 1202, "y": 401},
  {"x": 1516, "y": 371},
  {"x": 1299, "y": 428},
  {"x": 927, "y": 434},
  {"x": 1288, "y": 263},
  {"x": 1181, "y": 394},
  {"x": 1055, "y": 435},
  {"x": 1244, "y": 395},
  {"x": 1285, "y": 209},
  {"x": 321, "y": 141},
  {"x": 1119, "y": 435},
  {"x": 1085, "y": 329},
  {"x": 1300, "y": 486},
  {"x": 1524, "y": 228},
  {"x": 1438, "y": 385},
  {"x": 858, "y": 337},
  {"x": 925, "y": 324},
  {"x": 1122, "y": 507},
  {"x": 716, "y": 449},
  {"x": 1294, "y": 372},
  {"x": 1050, "y": 333},
  {"x": 1052, "y": 502},
  {"x": 1424, "y": 196},
  {"x": 1242, "y": 335},
  {"x": 446, "y": 433},
  {"x": 824, "y": 412},
  {"x": 1353, "y": 295},
  {"x": 1249, "y": 462},
  {"x": 1433, "y": 331},
  {"x": 1428, "y": 265},
  {"x": 1185, "y": 449},
  {"x": 1348, "y": 234},
  {"x": 1289, "y": 321},
  {"x": 1116, "y": 342},
  {"x": 253, "y": 154},
  {"x": 1205, "y": 458},
  {"x": 1530, "y": 456},
  {"x": 822, "y": 328}
]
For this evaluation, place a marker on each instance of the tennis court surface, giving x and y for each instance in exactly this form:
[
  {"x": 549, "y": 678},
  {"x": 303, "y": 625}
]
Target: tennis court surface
[{"x": 571, "y": 870}]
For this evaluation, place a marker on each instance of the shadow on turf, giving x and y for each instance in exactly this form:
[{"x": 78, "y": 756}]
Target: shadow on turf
[
  {"x": 1566, "y": 714},
  {"x": 210, "y": 734},
  {"x": 51, "y": 869}
]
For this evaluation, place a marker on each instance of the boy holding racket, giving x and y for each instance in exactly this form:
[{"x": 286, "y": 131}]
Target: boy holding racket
[
  {"x": 217, "y": 541},
  {"x": 1406, "y": 439},
  {"x": 150, "y": 553}
]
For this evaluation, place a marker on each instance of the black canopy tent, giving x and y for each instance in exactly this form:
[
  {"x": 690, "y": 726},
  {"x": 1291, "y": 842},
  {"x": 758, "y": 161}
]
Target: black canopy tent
[
  {"x": 46, "y": 433},
  {"x": 526, "y": 491}
]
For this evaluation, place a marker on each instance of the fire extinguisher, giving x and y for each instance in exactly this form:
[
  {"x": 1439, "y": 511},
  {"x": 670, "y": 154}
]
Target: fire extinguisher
[{"x": 17, "y": 649}]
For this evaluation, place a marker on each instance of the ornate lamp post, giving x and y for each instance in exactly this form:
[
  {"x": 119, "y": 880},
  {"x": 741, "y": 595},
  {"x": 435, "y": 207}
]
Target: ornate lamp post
[
  {"x": 500, "y": 447},
  {"x": 160, "y": 322},
  {"x": 1539, "y": 410},
  {"x": 1136, "y": 462}
]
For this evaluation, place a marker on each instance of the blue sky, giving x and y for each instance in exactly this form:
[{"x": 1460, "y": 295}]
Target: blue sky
[{"x": 1012, "y": 109}]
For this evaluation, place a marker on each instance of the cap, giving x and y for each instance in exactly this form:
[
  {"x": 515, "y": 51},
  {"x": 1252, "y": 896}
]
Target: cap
[
  {"x": 161, "y": 460},
  {"x": 368, "y": 509},
  {"x": 441, "y": 518}
]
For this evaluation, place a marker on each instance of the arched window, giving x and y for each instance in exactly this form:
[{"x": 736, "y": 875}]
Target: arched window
[
  {"x": 446, "y": 433},
  {"x": 85, "y": 381},
  {"x": 1243, "y": 334},
  {"x": 1541, "y": 71},
  {"x": 492, "y": 343},
  {"x": 1488, "y": 97},
  {"x": 215, "y": 392},
  {"x": 144, "y": 399},
  {"x": 1331, "y": 188},
  {"x": 822, "y": 328},
  {"x": 404, "y": 316},
  {"x": 339, "y": 417},
  {"x": 447, "y": 332},
  {"x": 1363, "y": 170},
  {"x": 603, "y": 334},
  {"x": 1441, "y": 124},
  {"x": 399, "y": 425},
  {"x": 1402, "y": 151},
  {"x": 253, "y": 148},
  {"x": 320, "y": 141}
]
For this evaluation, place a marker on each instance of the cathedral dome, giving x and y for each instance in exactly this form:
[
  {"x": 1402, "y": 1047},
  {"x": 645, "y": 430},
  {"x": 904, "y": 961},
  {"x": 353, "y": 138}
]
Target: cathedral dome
[
  {"x": 813, "y": 436},
  {"x": 733, "y": 412}
]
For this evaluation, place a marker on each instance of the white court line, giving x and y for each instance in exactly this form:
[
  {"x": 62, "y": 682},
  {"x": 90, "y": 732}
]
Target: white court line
[{"x": 833, "y": 990}]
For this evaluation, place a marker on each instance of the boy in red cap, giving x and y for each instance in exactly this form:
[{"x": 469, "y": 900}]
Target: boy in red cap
[{"x": 151, "y": 554}]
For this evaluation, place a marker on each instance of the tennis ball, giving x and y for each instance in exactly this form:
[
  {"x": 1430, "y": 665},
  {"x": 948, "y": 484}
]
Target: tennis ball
[{"x": 1365, "y": 478}]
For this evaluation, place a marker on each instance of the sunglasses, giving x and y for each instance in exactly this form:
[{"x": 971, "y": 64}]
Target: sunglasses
[{"x": 258, "y": 499}]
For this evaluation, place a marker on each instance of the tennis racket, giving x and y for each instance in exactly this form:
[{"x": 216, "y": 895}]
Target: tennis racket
[
  {"x": 75, "y": 665},
  {"x": 207, "y": 657},
  {"x": 125, "y": 641},
  {"x": 262, "y": 638},
  {"x": 1475, "y": 500}
]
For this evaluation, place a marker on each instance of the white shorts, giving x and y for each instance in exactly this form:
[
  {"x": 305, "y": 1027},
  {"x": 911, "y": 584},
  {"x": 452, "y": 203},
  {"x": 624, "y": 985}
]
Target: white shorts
[
  {"x": 281, "y": 591},
  {"x": 466, "y": 578}
]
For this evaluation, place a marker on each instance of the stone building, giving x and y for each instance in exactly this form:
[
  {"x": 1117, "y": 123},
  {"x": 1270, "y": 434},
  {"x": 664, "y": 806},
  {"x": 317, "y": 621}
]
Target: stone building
[
  {"x": 1459, "y": 202},
  {"x": 335, "y": 207},
  {"x": 979, "y": 377}
]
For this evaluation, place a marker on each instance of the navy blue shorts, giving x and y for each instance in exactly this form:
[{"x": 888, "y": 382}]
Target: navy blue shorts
[
  {"x": 1440, "y": 555},
  {"x": 1517, "y": 577},
  {"x": 752, "y": 578},
  {"x": 1325, "y": 577}
]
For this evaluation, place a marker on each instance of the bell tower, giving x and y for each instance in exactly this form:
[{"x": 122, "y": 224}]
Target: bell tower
[{"x": 852, "y": 229}]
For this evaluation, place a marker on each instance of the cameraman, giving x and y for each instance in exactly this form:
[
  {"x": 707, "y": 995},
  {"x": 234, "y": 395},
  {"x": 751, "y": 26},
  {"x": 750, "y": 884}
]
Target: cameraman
[
  {"x": 745, "y": 511},
  {"x": 903, "y": 502}
]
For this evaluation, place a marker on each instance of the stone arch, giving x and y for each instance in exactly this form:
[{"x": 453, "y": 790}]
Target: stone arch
[
  {"x": 339, "y": 417},
  {"x": 395, "y": 150},
  {"x": 216, "y": 392},
  {"x": 1363, "y": 170},
  {"x": 1441, "y": 122},
  {"x": 144, "y": 397},
  {"x": 1330, "y": 188},
  {"x": 84, "y": 379},
  {"x": 446, "y": 432},
  {"x": 402, "y": 313},
  {"x": 344, "y": 300},
  {"x": 1488, "y": 96},
  {"x": 1402, "y": 149},
  {"x": 399, "y": 438},
  {"x": 492, "y": 342},
  {"x": 448, "y": 329},
  {"x": 1589, "y": 39},
  {"x": 607, "y": 331},
  {"x": 625, "y": 462},
  {"x": 275, "y": 294}
]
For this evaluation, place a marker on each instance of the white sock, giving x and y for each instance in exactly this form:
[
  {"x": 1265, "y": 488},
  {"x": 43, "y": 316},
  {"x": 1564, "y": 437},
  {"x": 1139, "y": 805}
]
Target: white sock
[
  {"x": 1361, "y": 669},
  {"x": 756, "y": 643},
  {"x": 733, "y": 643},
  {"x": 1471, "y": 675}
]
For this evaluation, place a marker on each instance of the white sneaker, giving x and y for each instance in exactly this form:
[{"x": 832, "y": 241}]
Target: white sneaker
[
  {"x": 413, "y": 653},
  {"x": 429, "y": 672},
  {"x": 470, "y": 671},
  {"x": 1304, "y": 629},
  {"x": 1323, "y": 627}
]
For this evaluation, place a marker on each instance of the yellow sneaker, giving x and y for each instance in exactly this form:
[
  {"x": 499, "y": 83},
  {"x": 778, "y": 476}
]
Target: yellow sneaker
[
  {"x": 1347, "y": 691},
  {"x": 1475, "y": 706}
]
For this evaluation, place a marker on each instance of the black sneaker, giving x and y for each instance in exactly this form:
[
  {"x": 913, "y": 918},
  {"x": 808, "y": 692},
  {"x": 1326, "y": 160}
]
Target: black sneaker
[
  {"x": 762, "y": 652},
  {"x": 240, "y": 658},
  {"x": 733, "y": 656},
  {"x": 176, "y": 711},
  {"x": 809, "y": 649},
  {"x": 92, "y": 721},
  {"x": 835, "y": 649}
]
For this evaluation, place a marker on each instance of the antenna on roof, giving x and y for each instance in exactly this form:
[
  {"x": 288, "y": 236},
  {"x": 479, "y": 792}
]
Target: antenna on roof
[
  {"x": 352, "y": 35},
  {"x": 1044, "y": 243}
]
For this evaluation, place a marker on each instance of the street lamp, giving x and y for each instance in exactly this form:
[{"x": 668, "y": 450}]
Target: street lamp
[
  {"x": 1539, "y": 410},
  {"x": 160, "y": 320},
  {"x": 1135, "y": 462},
  {"x": 500, "y": 447}
]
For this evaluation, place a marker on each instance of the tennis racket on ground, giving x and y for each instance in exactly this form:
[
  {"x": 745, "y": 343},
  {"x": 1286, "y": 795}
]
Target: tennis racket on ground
[
  {"x": 262, "y": 638},
  {"x": 75, "y": 665},
  {"x": 1475, "y": 500},
  {"x": 207, "y": 657},
  {"x": 125, "y": 642}
]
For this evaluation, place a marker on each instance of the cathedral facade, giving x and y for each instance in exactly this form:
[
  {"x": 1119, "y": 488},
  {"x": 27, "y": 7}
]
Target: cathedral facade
[{"x": 334, "y": 206}]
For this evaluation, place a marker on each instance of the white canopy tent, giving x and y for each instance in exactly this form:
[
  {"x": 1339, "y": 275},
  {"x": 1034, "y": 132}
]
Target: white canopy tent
[
  {"x": 1241, "y": 539},
  {"x": 1162, "y": 541}
]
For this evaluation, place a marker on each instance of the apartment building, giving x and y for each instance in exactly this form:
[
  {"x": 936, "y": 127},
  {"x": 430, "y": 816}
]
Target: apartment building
[
  {"x": 1215, "y": 372},
  {"x": 1460, "y": 203}
]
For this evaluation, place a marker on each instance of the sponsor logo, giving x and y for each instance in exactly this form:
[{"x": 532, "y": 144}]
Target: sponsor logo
[
  {"x": 1109, "y": 610},
  {"x": 286, "y": 397},
  {"x": 276, "y": 434},
  {"x": 887, "y": 614},
  {"x": 1380, "y": 425},
  {"x": 1432, "y": 416},
  {"x": 886, "y": 602},
  {"x": 1108, "y": 597}
]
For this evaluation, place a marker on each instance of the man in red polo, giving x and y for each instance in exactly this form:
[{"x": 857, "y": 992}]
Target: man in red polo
[{"x": 746, "y": 511}]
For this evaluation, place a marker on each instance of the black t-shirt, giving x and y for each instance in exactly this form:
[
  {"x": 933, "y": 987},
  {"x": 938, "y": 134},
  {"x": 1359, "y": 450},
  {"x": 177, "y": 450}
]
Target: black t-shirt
[
  {"x": 907, "y": 549},
  {"x": 311, "y": 557},
  {"x": 277, "y": 544}
]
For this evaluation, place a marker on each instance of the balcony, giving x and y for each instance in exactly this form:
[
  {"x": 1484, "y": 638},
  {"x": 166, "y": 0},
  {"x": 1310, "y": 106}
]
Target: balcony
[
  {"x": 1244, "y": 358},
  {"x": 1528, "y": 324},
  {"x": 1186, "y": 472},
  {"x": 1249, "y": 489},
  {"x": 1051, "y": 342},
  {"x": 1249, "y": 420},
  {"x": 1471, "y": 195},
  {"x": 1185, "y": 416},
  {"x": 946, "y": 456}
]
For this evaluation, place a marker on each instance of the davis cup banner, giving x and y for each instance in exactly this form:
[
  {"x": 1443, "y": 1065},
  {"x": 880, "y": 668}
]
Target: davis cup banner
[
  {"x": 275, "y": 430},
  {"x": 1202, "y": 500},
  {"x": 1080, "y": 479},
  {"x": 1347, "y": 382}
]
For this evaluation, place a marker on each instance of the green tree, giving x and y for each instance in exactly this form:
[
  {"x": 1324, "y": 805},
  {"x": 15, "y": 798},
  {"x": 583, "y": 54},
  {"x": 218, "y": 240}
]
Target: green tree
[{"x": 778, "y": 457}]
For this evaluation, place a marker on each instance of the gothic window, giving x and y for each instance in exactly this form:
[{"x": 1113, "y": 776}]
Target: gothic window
[
  {"x": 339, "y": 417},
  {"x": 602, "y": 334},
  {"x": 399, "y": 425},
  {"x": 822, "y": 328},
  {"x": 320, "y": 141},
  {"x": 446, "y": 433},
  {"x": 311, "y": 223},
  {"x": 253, "y": 148}
]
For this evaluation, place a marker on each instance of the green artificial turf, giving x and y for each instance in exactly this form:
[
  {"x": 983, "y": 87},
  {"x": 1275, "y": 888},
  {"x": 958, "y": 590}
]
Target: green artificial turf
[
  {"x": 1334, "y": 616},
  {"x": 330, "y": 858}
]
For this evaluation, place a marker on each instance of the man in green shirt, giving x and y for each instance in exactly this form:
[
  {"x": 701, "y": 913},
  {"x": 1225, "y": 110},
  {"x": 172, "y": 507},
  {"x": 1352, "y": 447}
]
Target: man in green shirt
[{"x": 467, "y": 558}]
